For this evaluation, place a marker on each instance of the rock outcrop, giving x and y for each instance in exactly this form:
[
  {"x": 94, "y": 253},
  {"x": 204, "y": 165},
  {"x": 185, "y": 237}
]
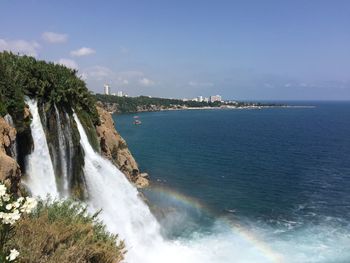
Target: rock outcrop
[
  {"x": 114, "y": 148},
  {"x": 10, "y": 172}
]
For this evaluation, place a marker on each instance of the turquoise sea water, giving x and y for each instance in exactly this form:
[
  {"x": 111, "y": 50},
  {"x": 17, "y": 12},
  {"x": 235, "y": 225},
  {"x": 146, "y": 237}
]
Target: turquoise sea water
[{"x": 281, "y": 173}]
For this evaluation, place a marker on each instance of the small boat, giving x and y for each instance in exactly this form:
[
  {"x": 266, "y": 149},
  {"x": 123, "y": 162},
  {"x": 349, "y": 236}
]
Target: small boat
[
  {"x": 136, "y": 117},
  {"x": 137, "y": 122}
]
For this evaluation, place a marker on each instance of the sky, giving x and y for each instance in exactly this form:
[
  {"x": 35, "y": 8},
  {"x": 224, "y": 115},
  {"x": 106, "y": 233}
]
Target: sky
[{"x": 245, "y": 50}]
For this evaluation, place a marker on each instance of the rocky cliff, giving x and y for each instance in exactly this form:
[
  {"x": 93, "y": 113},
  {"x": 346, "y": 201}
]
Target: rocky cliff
[
  {"x": 114, "y": 148},
  {"x": 10, "y": 172}
]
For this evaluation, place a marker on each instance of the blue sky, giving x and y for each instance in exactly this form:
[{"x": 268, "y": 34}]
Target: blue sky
[{"x": 267, "y": 50}]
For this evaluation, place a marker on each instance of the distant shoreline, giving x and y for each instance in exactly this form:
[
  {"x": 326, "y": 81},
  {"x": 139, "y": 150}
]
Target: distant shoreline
[
  {"x": 120, "y": 105},
  {"x": 240, "y": 108},
  {"x": 216, "y": 108}
]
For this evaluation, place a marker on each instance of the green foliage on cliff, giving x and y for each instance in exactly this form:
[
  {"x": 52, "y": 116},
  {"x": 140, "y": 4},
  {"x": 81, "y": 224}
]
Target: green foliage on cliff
[
  {"x": 63, "y": 231},
  {"x": 22, "y": 76}
]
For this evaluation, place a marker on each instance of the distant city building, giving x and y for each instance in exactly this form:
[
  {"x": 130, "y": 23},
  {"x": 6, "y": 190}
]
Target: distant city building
[
  {"x": 114, "y": 94},
  {"x": 106, "y": 86},
  {"x": 200, "y": 98},
  {"x": 206, "y": 99},
  {"x": 184, "y": 99},
  {"x": 215, "y": 98},
  {"x": 195, "y": 99},
  {"x": 120, "y": 94}
]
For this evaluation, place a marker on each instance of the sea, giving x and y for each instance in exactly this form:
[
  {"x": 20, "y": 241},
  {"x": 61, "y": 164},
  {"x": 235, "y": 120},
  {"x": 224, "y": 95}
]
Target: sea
[{"x": 278, "y": 179}]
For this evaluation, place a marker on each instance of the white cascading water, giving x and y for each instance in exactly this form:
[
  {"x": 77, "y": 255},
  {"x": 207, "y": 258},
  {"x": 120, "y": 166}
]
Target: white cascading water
[
  {"x": 63, "y": 155},
  {"x": 40, "y": 173},
  {"x": 125, "y": 213}
]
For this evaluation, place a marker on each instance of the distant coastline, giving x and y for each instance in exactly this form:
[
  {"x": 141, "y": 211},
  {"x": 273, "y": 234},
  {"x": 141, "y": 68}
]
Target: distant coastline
[{"x": 115, "y": 104}]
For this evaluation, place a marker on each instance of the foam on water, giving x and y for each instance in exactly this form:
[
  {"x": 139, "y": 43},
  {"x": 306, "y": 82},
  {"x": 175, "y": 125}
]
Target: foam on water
[
  {"x": 126, "y": 214},
  {"x": 227, "y": 239}
]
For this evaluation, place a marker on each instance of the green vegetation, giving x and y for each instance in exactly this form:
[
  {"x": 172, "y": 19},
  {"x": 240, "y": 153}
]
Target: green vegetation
[
  {"x": 22, "y": 76},
  {"x": 132, "y": 104},
  {"x": 63, "y": 231},
  {"x": 52, "y": 85},
  {"x": 144, "y": 103}
]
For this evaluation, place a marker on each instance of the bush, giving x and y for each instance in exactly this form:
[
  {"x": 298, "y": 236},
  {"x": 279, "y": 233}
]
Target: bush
[
  {"x": 11, "y": 210},
  {"x": 63, "y": 231},
  {"x": 22, "y": 76}
]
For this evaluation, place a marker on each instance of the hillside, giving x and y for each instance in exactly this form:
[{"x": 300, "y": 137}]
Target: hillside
[{"x": 40, "y": 103}]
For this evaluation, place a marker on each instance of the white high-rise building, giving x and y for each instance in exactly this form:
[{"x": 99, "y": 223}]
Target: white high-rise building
[
  {"x": 120, "y": 94},
  {"x": 200, "y": 98},
  {"x": 215, "y": 98},
  {"x": 106, "y": 86}
]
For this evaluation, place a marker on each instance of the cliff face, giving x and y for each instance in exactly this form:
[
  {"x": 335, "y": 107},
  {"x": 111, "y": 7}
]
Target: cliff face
[
  {"x": 114, "y": 148},
  {"x": 56, "y": 123},
  {"x": 10, "y": 172}
]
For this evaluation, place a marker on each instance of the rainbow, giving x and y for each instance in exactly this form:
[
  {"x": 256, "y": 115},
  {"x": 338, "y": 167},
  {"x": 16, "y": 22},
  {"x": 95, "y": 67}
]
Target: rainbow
[{"x": 235, "y": 227}]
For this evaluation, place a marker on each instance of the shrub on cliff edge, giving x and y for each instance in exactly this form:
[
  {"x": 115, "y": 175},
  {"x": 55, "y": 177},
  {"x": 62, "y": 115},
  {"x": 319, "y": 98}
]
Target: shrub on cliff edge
[
  {"x": 63, "y": 231},
  {"x": 48, "y": 82}
]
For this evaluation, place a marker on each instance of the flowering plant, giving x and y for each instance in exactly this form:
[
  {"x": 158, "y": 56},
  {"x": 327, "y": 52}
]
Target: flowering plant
[{"x": 11, "y": 210}]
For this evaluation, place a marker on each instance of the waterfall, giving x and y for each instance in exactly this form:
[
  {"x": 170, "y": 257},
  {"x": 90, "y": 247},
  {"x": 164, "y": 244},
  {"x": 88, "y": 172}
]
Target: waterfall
[
  {"x": 40, "y": 173},
  {"x": 109, "y": 190},
  {"x": 13, "y": 148},
  {"x": 124, "y": 213},
  {"x": 62, "y": 144}
]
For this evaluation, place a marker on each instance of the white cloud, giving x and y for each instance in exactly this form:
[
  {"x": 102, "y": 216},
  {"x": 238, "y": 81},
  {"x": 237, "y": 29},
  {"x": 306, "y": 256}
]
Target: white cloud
[
  {"x": 69, "y": 63},
  {"x": 146, "y": 82},
  {"x": 22, "y": 47},
  {"x": 54, "y": 38},
  {"x": 200, "y": 84},
  {"x": 84, "y": 51},
  {"x": 98, "y": 73},
  {"x": 131, "y": 74}
]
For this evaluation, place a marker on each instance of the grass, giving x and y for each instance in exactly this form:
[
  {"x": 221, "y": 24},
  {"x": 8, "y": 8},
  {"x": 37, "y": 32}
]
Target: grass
[{"x": 64, "y": 232}]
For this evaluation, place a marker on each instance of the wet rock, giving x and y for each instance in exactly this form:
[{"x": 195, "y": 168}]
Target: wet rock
[
  {"x": 114, "y": 148},
  {"x": 10, "y": 172}
]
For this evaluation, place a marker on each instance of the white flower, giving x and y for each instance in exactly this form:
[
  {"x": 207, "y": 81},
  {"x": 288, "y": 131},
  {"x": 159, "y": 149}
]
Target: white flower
[
  {"x": 6, "y": 197},
  {"x": 13, "y": 255},
  {"x": 29, "y": 205},
  {"x": 9, "y": 206},
  {"x": 2, "y": 190},
  {"x": 16, "y": 215},
  {"x": 10, "y": 218}
]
